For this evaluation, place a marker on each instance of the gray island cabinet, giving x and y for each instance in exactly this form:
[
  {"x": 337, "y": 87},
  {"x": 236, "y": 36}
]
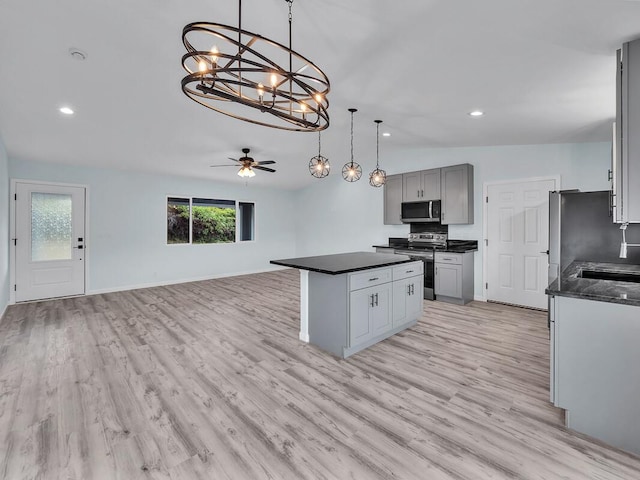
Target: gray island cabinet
[{"x": 351, "y": 301}]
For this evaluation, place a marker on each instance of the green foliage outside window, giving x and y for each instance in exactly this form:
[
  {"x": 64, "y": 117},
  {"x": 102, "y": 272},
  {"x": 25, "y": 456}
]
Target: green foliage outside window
[{"x": 214, "y": 225}]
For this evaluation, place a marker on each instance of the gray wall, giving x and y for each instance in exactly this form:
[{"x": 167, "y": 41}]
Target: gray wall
[
  {"x": 126, "y": 241},
  {"x": 4, "y": 229}
]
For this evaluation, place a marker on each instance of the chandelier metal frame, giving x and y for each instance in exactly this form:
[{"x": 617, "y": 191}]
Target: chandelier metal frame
[
  {"x": 231, "y": 80},
  {"x": 378, "y": 177},
  {"x": 351, "y": 172}
]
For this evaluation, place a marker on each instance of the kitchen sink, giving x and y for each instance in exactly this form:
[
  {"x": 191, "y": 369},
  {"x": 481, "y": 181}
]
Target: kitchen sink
[{"x": 609, "y": 275}]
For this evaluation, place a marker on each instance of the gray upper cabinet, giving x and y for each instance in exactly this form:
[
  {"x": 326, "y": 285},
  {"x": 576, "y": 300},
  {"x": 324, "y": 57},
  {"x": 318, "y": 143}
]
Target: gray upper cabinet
[
  {"x": 457, "y": 194},
  {"x": 392, "y": 200},
  {"x": 626, "y": 162},
  {"x": 422, "y": 185}
]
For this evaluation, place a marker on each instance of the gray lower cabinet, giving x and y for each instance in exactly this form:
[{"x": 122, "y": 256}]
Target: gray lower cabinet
[
  {"x": 407, "y": 300},
  {"x": 369, "y": 313},
  {"x": 352, "y": 311},
  {"x": 453, "y": 281},
  {"x": 457, "y": 194},
  {"x": 594, "y": 375},
  {"x": 393, "y": 200}
]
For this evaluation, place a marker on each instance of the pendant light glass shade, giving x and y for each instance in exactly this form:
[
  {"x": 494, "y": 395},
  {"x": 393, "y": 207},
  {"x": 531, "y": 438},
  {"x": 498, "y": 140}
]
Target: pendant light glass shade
[
  {"x": 378, "y": 177},
  {"x": 319, "y": 166},
  {"x": 351, "y": 171}
]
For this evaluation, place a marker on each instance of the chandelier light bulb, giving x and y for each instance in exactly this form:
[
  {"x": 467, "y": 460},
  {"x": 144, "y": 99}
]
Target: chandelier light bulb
[
  {"x": 274, "y": 79},
  {"x": 202, "y": 66},
  {"x": 214, "y": 54},
  {"x": 260, "y": 91}
]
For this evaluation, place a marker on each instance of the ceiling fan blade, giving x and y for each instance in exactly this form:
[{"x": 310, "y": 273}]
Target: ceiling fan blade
[
  {"x": 266, "y": 162},
  {"x": 234, "y": 159},
  {"x": 223, "y": 165},
  {"x": 258, "y": 167}
]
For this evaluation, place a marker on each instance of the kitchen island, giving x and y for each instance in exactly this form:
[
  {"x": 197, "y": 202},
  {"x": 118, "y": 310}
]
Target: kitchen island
[
  {"x": 594, "y": 314},
  {"x": 351, "y": 301}
]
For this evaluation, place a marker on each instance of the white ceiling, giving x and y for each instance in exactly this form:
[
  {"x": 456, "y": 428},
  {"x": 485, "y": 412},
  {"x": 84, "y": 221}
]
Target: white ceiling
[{"x": 542, "y": 70}]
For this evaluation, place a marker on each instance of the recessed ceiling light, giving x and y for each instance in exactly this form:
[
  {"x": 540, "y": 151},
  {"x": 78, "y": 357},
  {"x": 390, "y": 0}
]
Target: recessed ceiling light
[
  {"x": 476, "y": 113},
  {"x": 66, "y": 110},
  {"x": 386, "y": 134}
]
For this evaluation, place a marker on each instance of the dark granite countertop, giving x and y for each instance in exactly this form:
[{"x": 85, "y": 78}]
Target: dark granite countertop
[
  {"x": 453, "y": 246},
  {"x": 343, "y": 262},
  {"x": 570, "y": 284}
]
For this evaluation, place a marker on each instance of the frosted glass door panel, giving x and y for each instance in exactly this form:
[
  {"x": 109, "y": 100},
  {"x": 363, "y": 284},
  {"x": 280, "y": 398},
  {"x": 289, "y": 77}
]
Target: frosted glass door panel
[{"x": 51, "y": 227}]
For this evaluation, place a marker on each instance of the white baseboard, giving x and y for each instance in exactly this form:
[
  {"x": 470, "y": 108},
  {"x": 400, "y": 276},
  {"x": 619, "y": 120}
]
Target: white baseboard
[
  {"x": 125, "y": 288},
  {"x": 479, "y": 298}
]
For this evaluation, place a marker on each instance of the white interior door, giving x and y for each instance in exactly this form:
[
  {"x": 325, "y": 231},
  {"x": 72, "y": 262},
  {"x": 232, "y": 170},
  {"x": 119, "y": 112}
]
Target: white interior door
[
  {"x": 518, "y": 239},
  {"x": 50, "y": 239}
]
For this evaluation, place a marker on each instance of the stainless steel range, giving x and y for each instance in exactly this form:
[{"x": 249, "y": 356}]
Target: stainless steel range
[{"x": 421, "y": 246}]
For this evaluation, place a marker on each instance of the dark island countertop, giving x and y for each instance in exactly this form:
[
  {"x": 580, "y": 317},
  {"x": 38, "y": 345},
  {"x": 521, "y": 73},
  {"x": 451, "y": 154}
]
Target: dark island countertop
[
  {"x": 343, "y": 262},
  {"x": 570, "y": 284}
]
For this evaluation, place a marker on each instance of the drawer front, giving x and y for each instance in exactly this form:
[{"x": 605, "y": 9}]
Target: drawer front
[
  {"x": 369, "y": 278},
  {"x": 453, "y": 258},
  {"x": 407, "y": 270}
]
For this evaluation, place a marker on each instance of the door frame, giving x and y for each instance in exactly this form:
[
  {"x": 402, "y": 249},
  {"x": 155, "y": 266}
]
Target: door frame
[
  {"x": 485, "y": 218},
  {"x": 12, "y": 231}
]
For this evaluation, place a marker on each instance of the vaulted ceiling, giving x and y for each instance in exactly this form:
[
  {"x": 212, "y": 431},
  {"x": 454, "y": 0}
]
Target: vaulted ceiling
[{"x": 542, "y": 70}]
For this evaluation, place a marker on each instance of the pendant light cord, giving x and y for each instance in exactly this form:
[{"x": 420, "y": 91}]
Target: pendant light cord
[
  {"x": 377, "y": 145},
  {"x": 319, "y": 144},
  {"x": 352, "y": 111}
]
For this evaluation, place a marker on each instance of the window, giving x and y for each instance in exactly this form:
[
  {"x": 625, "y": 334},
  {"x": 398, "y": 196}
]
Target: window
[
  {"x": 246, "y": 221},
  {"x": 178, "y": 215},
  {"x": 205, "y": 221}
]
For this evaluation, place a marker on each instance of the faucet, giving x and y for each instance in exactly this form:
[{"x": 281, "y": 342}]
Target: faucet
[{"x": 624, "y": 244}]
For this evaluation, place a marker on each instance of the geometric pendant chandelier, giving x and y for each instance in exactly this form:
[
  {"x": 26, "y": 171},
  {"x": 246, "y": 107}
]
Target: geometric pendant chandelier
[
  {"x": 378, "y": 177},
  {"x": 352, "y": 171},
  {"x": 252, "y": 78},
  {"x": 319, "y": 166}
]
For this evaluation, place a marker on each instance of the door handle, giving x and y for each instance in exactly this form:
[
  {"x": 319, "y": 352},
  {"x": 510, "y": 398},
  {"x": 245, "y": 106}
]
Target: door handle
[
  {"x": 79, "y": 247},
  {"x": 546, "y": 251}
]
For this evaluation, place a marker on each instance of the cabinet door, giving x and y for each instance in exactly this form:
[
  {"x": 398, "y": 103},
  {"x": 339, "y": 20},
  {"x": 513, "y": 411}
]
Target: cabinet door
[
  {"x": 457, "y": 194},
  {"x": 431, "y": 184},
  {"x": 392, "y": 200},
  {"x": 360, "y": 328},
  {"x": 448, "y": 280},
  {"x": 411, "y": 186},
  {"x": 381, "y": 311},
  {"x": 415, "y": 300},
  {"x": 400, "y": 294}
]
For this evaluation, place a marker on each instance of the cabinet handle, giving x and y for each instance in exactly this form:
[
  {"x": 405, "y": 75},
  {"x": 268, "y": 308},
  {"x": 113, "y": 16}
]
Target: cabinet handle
[
  {"x": 446, "y": 259},
  {"x": 408, "y": 289},
  {"x": 609, "y": 175},
  {"x": 413, "y": 289},
  {"x": 409, "y": 271},
  {"x": 371, "y": 296},
  {"x": 376, "y": 299},
  {"x": 373, "y": 279}
]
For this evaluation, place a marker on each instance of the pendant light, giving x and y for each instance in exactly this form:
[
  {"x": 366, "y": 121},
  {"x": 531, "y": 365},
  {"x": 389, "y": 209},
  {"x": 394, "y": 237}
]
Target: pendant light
[
  {"x": 378, "y": 177},
  {"x": 319, "y": 166},
  {"x": 352, "y": 172},
  {"x": 252, "y": 78}
]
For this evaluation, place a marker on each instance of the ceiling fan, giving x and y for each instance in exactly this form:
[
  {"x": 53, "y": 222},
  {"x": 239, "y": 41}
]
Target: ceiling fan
[{"x": 248, "y": 165}]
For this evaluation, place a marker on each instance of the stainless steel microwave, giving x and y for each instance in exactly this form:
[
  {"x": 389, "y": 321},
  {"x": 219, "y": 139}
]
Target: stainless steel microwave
[{"x": 421, "y": 212}]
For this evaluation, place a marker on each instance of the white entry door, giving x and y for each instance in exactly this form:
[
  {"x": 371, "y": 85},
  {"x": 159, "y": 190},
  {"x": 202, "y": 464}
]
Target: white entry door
[
  {"x": 518, "y": 239},
  {"x": 50, "y": 239}
]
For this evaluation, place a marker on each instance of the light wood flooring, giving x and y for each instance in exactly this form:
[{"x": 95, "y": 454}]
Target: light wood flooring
[{"x": 198, "y": 381}]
